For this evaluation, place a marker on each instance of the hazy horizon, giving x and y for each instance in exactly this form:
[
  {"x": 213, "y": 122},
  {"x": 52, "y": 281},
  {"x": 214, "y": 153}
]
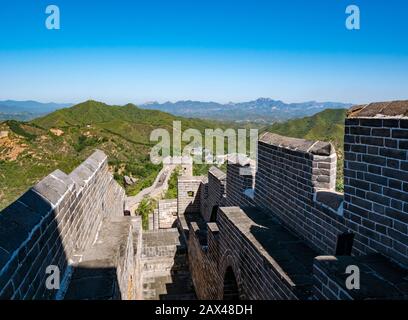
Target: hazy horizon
[{"x": 73, "y": 102}]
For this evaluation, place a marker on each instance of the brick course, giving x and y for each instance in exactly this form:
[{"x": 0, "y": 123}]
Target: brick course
[{"x": 375, "y": 175}]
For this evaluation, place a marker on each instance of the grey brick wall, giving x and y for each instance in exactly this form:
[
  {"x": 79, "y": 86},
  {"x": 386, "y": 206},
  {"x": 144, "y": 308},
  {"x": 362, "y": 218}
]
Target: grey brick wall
[
  {"x": 214, "y": 191},
  {"x": 376, "y": 277},
  {"x": 189, "y": 194},
  {"x": 376, "y": 185},
  {"x": 240, "y": 177},
  {"x": 51, "y": 222},
  {"x": 257, "y": 277},
  {"x": 204, "y": 194},
  {"x": 325, "y": 285},
  {"x": 167, "y": 211},
  {"x": 290, "y": 173},
  {"x": 203, "y": 263},
  {"x": 295, "y": 183}
]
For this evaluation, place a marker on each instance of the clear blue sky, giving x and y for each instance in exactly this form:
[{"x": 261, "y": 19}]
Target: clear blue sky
[{"x": 221, "y": 50}]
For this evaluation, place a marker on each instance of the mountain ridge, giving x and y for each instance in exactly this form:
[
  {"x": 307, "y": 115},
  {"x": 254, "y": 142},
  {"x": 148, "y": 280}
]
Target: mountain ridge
[
  {"x": 63, "y": 139},
  {"x": 262, "y": 110},
  {"x": 28, "y": 109}
]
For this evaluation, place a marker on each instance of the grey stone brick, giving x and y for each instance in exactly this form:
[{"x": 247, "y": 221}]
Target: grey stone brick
[
  {"x": 399, "y": 134},
  {"x": 394, "y": 153}
]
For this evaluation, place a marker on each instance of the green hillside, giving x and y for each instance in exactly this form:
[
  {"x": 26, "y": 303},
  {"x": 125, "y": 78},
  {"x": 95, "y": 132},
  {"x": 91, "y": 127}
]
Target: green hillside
[
  {"x": 119, "y": 119},
  {"x": 327, "y": 125},
  {"x": 64, "y": 138}
]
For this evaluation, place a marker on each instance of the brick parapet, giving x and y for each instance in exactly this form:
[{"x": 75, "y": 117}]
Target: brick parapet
[
  {"x": 297, "y": 186},
  {"x": 376, "y": 187},
  {"x": 50, "y": 223}
]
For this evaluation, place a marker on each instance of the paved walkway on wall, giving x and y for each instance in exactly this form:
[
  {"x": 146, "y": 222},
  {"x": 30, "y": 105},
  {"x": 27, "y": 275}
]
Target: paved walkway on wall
[
  {"x": 97, "y": 273},
  {"x": 165, "y": 273},
  {"x": 159, "y": 186},
  {"x": 288, "y": 255}
]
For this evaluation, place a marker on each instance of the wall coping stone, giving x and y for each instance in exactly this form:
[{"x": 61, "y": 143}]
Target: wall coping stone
[
  {"x": 240, "y": 159},
  {"x": 218, "y": 173},
  {"x": 213, "y": 227},
  {"x": 392, "y": 109},
  {"x": 306, "y": 146},
  {"x": 82, "y": 174}
]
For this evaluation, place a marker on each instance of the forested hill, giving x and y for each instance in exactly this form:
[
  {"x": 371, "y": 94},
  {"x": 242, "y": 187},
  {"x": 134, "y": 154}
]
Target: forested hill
[{"x": 63, "y": 139}]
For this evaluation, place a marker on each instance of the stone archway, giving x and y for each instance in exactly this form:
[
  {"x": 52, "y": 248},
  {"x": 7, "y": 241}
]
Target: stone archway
[{"x": 231, "y": 291}]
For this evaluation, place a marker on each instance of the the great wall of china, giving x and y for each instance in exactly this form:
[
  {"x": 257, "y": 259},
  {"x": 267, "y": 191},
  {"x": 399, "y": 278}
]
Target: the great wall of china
[{"x": 273, "y": 230}]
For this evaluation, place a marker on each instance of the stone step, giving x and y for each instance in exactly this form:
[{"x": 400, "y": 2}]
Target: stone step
[
  {"x": 159, "y": 237},
  {"x": 156, "y": 268},
  {"x": 149, "y": 295},
  {"x": 152, "y": 278},
  {"x": 177, "y": 284},
  {"x": 169, "y": 230},
  {"x": 165, "y": 273},
  {"x": 168, "y": 291},
  {"x": 171, "y": 274},
  {"x": 178, "y": 260},
  {"x": 171, "y": 277},
  {"x": 162, "y": 251},
  {"x": 175, "y": 278},
  {"x": 161, "y": 287}
]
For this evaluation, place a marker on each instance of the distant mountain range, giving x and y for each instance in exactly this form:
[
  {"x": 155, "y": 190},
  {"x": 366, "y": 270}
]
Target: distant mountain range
[
  {"x": 262, "y": 110},
  {"x": 64, "y": 138},
  {"x": 27, "y": 110}
]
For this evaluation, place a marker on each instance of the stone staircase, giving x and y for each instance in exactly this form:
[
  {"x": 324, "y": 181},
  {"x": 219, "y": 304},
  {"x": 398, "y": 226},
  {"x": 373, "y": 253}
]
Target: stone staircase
[{"x": 165, "y": 273}]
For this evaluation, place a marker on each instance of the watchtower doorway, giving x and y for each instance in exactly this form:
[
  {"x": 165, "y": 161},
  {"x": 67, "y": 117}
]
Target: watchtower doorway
[
  {"x": 344, "y": 245},
  {"x": 214, "y": 212},
  {"x": 230, "y": 285}
]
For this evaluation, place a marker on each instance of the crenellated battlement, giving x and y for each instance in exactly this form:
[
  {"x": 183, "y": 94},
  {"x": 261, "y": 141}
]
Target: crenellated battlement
[{"x": 293, "y": 187}]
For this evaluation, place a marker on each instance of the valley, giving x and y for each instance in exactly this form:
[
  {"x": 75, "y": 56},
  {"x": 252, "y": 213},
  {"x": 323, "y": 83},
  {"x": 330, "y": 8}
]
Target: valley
[{"x": 63, "y": 139}]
